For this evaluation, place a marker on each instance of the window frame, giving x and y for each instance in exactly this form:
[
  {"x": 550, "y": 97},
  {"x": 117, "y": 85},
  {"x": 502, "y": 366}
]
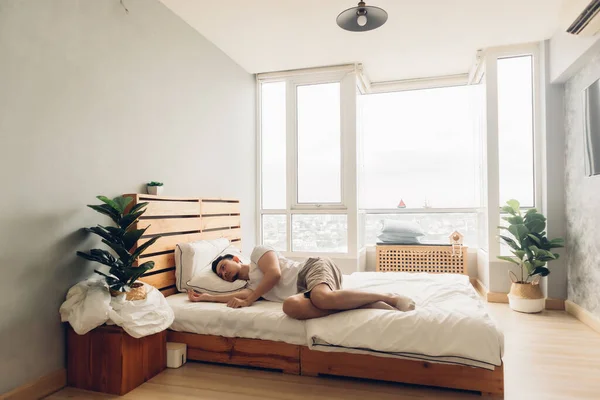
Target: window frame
[
  {"x": 490, "y": 63},
  {"x": 346, "y": 76},
  {"x": 292, "y": 85}
]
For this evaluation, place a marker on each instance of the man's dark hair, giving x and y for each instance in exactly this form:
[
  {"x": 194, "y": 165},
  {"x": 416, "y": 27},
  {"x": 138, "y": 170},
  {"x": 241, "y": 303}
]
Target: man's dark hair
[{"x": 218, "y": 260}]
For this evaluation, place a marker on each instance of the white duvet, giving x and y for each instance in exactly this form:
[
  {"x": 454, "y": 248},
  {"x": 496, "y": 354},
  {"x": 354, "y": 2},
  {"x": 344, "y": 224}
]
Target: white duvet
[{"x": 450, "y": 322}]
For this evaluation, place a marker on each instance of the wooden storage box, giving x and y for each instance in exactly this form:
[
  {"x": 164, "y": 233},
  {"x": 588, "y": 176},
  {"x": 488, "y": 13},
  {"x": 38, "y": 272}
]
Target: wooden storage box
[
  {"x": 108, "y": 360},
  {"x": 422, "y": 258}
]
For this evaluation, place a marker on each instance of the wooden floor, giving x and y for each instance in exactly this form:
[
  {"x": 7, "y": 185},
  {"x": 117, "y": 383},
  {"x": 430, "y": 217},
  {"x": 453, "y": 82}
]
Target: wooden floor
[{"x": 548, "y": 356}]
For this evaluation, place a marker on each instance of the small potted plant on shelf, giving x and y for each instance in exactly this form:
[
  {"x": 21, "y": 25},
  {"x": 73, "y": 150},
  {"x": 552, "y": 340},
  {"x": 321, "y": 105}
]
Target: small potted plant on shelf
[
  {"x": 122, "y": 238},
  {"x": 531, "y": 251},
  {"x": 155, "y": 188}
]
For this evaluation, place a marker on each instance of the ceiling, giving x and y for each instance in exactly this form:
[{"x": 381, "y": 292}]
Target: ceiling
[{"x": 422, "y": 38}]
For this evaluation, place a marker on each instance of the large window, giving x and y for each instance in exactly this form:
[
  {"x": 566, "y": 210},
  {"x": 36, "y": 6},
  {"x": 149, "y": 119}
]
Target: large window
[
  {"x": 515, "y": 129},
  {"x": 319, "y": 144},
  {"x": 302, "y": 166},
  {"x": 420, "y": 147},
  {"x": 421, "y": 151},
  {"x": 273, "y": 151}
]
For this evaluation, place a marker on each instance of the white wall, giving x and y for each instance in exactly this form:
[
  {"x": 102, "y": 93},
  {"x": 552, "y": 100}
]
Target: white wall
[
  {"x": 97, "y": 101},
  {"x": 569, "y": 53}
]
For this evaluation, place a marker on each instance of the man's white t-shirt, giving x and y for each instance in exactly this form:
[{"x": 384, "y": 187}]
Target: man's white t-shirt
[{"x": 287, "y": 285}]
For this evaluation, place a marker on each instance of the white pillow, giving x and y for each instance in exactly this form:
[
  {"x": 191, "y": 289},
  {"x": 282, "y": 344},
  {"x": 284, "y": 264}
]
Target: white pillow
[
  {"x": 403, "y": 228},
  {"x": 195, "y": 256},
  {"x": 206, "y": 281},
  {"x": 397, "y": 238}
]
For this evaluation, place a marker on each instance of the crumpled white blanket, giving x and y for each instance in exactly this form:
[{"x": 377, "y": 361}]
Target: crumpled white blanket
[{"x": 89, "y": 305}]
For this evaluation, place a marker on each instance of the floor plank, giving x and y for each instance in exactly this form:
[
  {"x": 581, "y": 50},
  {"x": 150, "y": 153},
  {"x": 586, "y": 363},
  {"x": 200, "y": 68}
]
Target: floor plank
[{"x": 548, "y": 356}]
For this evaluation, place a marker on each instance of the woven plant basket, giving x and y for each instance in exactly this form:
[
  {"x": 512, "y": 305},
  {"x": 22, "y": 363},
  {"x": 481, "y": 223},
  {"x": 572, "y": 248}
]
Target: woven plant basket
[
  {"x": 137, "y": 292},
  {"x": 526, "y": 297}
]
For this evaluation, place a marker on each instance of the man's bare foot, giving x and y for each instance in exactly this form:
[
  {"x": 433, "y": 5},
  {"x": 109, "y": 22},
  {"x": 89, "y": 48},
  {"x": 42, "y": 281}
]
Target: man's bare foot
[
  {"x": 402, "y": 303},
  {"x": 379, "y": 305}
]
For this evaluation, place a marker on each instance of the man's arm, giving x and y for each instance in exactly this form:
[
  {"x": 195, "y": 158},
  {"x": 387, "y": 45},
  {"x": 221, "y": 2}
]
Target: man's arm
[
  {"x": 269, "y": 266},
  {"x": 218, "y": 298}
]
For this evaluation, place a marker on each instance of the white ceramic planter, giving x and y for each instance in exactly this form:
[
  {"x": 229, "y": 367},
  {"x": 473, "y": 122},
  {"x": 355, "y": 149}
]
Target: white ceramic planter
[
  {"x": 529, "y": 306},
  {"x": 156, "y": 190}
]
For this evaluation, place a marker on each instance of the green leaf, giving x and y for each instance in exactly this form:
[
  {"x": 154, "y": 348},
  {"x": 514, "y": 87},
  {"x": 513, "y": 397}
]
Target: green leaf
[
  {"x": 120, "y": 250},
  {"x": 137, "y": 207},
  {"x": 519, "y": 253},
  {"x": 122, "y": 202},
  {"x": 536, "y": 225},
  {"x": 129, "y": 219},
  {"x": 509, "y": 259},
  {"x": 531, "y": 211},
  {"x": 519, "y": 231},
  {"x": 514, "y": 204},
  {"x": 131, "y": 237},
  {"x": 509, "y": 210},
  {"x": 116, "y": 232},
  {"x": 100, "y": 256},
  {"x": 102, "y": 232},
  {"x": 111, "y": 203},
  {"x": 540, "y": 270},
  {"x": 510, "y": 242},
  {"x": 143, "y": 247},
  {"x": 514, "y": 220},
  {"x": 556, "y": 256},
  {"x": 535, "y": 239},
  {"x": 528, "y": 266},
  {"x": 107, "y": 210},
  {"x": 503, "y": 227},
  {"x": 538, "y": 263},
  {"x": 141, "y": 270}
]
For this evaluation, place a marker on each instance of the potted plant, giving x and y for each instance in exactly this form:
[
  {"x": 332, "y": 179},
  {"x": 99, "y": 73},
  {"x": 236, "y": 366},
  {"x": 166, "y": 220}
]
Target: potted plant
[
  {"x": 532, "y": 251},
  {"x": 122, "y": 239},
  {"x": 155, "y": 188}
]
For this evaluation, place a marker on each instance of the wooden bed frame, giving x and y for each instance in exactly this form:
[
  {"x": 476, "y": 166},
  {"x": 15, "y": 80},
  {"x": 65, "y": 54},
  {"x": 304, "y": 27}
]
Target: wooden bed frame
[{"x": 190, "y": 219}]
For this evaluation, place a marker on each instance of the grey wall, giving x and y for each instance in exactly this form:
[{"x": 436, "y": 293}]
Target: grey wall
[
  {"x": 97, "y": 101},
  {"x": 582, "y": 194}
]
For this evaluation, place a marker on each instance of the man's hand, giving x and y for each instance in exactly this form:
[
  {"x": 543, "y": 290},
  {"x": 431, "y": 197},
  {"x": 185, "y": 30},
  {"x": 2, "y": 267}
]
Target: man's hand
[
  {"x": 193, "y": 296},
  {"x": 239, "y": 303}
]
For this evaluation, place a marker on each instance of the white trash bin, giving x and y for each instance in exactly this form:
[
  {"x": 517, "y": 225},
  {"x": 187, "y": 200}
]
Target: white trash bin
[{"x": 176, "y": 354}]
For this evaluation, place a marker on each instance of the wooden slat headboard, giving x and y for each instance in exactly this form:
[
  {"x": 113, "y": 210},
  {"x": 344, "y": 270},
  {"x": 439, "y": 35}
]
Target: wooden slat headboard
[{"x": 182, "y": 220}]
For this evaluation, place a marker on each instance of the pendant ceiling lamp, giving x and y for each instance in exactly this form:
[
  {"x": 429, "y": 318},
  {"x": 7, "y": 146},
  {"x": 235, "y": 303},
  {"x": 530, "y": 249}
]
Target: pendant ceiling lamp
[{"x": 362, "y": 18}]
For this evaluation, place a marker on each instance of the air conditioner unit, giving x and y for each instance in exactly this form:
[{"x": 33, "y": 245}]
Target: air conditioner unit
[{"x": 582, "y": 17}]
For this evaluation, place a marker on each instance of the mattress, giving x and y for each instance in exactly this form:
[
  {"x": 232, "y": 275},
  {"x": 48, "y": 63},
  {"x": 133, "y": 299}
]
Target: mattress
[
  {"x": 449, "y": 325},
  {"x": 264, "y": 320}
]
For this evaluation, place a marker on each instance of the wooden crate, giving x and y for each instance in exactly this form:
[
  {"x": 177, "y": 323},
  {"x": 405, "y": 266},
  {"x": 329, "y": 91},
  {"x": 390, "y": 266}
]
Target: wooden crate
[
  {"x": 108, "y": 360},
  {"x": 421, "y": 258}
]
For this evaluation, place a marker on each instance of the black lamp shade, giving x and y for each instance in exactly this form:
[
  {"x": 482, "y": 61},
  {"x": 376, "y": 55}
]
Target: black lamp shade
[{"x": 375, "y": 18}]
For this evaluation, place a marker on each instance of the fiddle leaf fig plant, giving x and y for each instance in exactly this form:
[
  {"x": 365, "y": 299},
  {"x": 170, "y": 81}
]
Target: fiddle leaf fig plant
[
  {"x": 121, "y": 239},
  {"x": 528, "y": 242}
]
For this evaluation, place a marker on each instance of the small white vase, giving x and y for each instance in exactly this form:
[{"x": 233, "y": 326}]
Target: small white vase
[{"x": 155, "y": 190}]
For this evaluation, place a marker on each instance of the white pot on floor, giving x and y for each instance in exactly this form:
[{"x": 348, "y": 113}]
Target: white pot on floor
[{"x": 526, "y": 297}]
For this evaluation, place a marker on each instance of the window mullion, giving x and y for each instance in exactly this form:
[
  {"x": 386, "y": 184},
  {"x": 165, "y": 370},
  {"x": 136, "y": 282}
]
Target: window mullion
[{"x": 292, "y": 157}]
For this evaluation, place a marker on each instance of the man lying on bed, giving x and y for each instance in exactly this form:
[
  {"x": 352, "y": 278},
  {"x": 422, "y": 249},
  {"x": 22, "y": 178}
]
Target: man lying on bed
[{"x": 309, "y": 289}]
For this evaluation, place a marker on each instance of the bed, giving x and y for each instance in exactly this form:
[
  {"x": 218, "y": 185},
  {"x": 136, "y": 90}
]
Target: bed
[{"x": 465, "y": 355}]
